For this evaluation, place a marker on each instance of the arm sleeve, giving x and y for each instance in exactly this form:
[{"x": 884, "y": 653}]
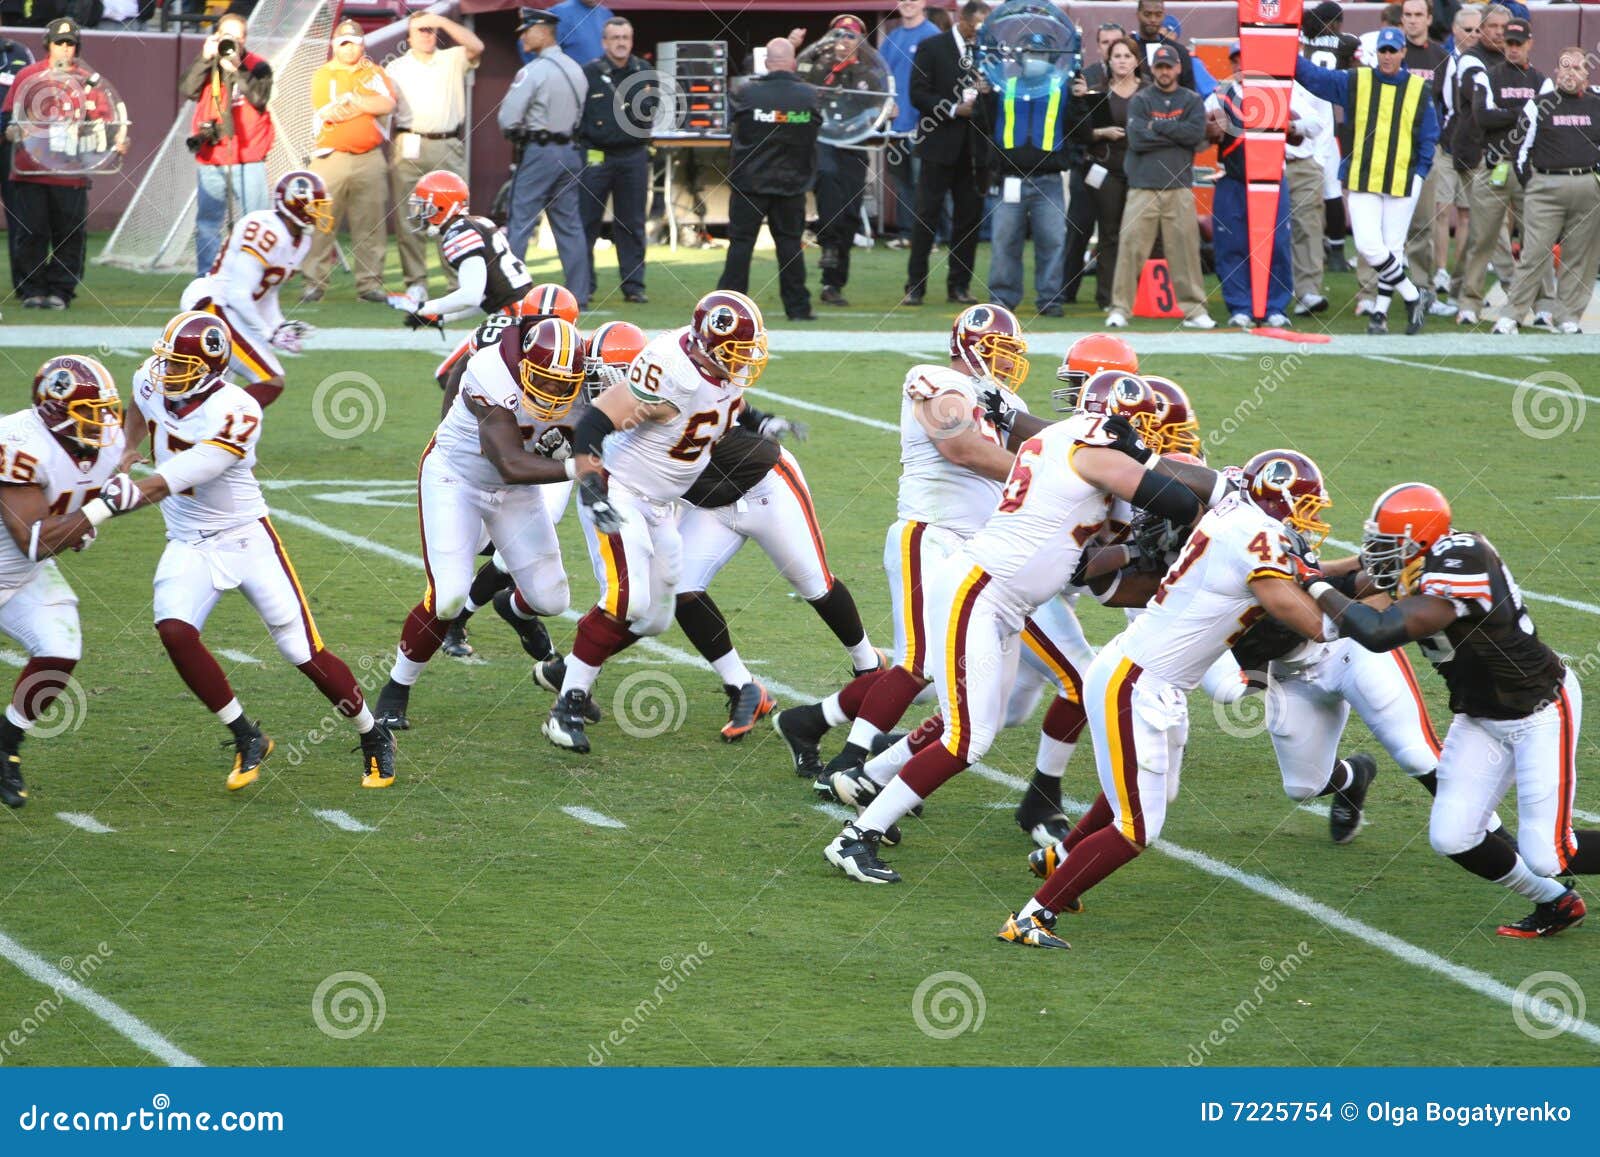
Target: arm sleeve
[
  {"x": 1330, "y": 84},
  {"x": 1527, "y": 129},
  {"x": 1427, "y": 135},
  {"x": 467, "y": 297},
  {"x": 1375, "y": 630},
  {"x": 198, "y": 465},
  {"x": 751, "y": 418},
  {"x": 515, "y": 105},
  {"x": 256, "y": 85},
  {"x": 924, "y": 98},
  {"x": 194, "y": 79},
  {"x": 241, "y": 269}
]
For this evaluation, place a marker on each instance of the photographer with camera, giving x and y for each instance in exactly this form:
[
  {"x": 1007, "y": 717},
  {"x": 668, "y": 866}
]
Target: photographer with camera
[{"x": 230, "y": 135}]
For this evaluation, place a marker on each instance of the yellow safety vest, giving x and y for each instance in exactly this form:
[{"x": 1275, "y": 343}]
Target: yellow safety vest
[
  {"x": 1040, "y": 131},
  {"x": 1384, "y": 133}
]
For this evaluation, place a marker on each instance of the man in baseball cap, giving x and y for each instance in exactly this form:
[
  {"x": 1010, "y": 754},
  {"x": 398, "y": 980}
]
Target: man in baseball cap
[{"x": 63, "y": 31}]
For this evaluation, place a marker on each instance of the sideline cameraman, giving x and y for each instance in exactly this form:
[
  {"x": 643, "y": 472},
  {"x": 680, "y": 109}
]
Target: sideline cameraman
[{"x": 230, "y": 135}]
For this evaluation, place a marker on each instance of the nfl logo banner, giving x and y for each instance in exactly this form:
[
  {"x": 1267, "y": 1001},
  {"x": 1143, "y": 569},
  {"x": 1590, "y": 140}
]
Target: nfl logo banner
[{"x": 1269, "y": 12}]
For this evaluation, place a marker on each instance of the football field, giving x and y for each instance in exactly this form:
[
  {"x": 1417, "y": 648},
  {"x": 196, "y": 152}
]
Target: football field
[{"x": 665, "y": 900}]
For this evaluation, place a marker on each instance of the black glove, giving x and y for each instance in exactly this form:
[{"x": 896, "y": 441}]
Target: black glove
[
  {"x": 1125, "y": 439},
  {"x": 996, "y": 411},
  {"x": 1154, "y": 538},
  {"x": 592, "y": 494},
  {"x": 415, "y": 320}
]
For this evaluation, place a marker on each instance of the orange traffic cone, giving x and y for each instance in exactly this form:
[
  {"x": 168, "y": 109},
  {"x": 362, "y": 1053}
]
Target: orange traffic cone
[{"x": 1156, "y": 297}]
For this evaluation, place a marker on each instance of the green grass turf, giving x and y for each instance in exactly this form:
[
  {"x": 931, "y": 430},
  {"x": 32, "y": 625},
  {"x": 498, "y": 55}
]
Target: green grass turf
[{"x": 503, "y": 931}]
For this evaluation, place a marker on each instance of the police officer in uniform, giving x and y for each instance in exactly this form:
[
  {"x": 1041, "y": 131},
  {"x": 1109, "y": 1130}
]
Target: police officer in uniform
[
  {"x": 540, "y": 115},
  {"x": 774, "y": 161},
  {"x": 617, "y": 120},
  {"x": 1558, "y": 163}
]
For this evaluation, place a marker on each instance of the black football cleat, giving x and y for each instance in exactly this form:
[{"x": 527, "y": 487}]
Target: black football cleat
[
  {"x": 747, "y": 706},
  {"x": 1035, "y": 931},
  {"x": 1565, "y": 911},
  {"x": 1043, "y": 862},
  {"x": 535, "y": 639},
  {"x": 885, "y": 740},
  {"x": 856, "y": 789},
  {"x": 1417, "y": 311},
  {"x": 250, "y": 751},
  {"x": 1042, "y": 820},
  {"x": 455, "y": 640},
  {"x": 390, "y": 711},
  {"x": 564, "y": 728},
  {"x": 1377, "y": 323},
  {"x": 551, "y": 673},
  {"x": 854, "y": 851},
  {"x": 1344, "y": 813},
  {"x": 823, "y": 784},
  {"x": 802, "y": 729},
  {"x": 377, "y": 757},
  {"x": 13, "y": 792}
]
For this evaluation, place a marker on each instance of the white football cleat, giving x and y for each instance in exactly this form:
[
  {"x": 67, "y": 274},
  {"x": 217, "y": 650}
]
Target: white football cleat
[
  {"x": 1199, "y": 321},
  {"x": 1115, "y": 320},
  {"x": 1466, "y": 317},
  {"x": 1242, "y": 320},
  {"x": 1505, "y": 325}
]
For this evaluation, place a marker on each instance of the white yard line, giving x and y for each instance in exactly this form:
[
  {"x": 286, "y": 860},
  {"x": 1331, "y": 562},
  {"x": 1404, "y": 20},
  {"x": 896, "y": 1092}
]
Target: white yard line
[
  {"x": 1543, "y": 389},
  {"x": 84, "y": 822},
  {"x": 13, "y": 658},
  {"x": 237, "y": 656},
  {"x": 593, "y": 818},
  {"x": 342, "y": 820},
  {"x": 843, "y": 814},
  {"x": 801, "y": 404},
  {"x": 130, "y": 1027}
]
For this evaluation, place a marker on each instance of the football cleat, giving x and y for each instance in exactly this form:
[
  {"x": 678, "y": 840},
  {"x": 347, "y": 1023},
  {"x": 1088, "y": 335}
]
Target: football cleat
[
  {"x": 1565, "y": 911},
  {"x": 1030, "y": 932},
  {"x": 1344, "y": 814},
  {"x": 856, "y": 789},
  {"x": 535, "y": 639},
  {"x": 564, "y": 728},
  {"x": 1377, "y": 323},
  {"x": 854, "y": 851},
  {"x": 551, "y": 673},
  {"x": 883, "y": 663},
  {"x": 249, "y": 753},
  {"x": 13, "y": 792},
  {"x": 884, "y": 740},
  {"x": 377, "y": 757},
  {"x": 455, "y": 641},
  {"x": 1417, "y": 311},
  {"x": 391, "y": 709},
  {"x": 798, "y": 727},
  {"x": 747, "y": 706},
  {"x": 1043, "y": 821},
  {"x": 823, "y": 784}
]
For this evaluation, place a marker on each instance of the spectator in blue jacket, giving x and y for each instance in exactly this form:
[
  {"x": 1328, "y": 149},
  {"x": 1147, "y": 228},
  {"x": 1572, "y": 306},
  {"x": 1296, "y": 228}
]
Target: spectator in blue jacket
[{"x": 898, "y": 48}]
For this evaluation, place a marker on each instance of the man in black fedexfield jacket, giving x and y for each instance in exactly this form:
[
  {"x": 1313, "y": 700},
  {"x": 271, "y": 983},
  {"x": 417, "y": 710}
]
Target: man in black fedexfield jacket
[
  {"x": 774, "y": 161},
  {"x": 618, "y": 115}
]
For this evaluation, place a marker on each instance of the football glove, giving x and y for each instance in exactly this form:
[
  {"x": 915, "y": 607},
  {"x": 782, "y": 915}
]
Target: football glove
[
  {"x": 553, "y": 444},
  {"x": 996, "y": 411},
  {"x": 290, "y": 336},
  {"x": 776, "y": 429},
  {"x": 1307, "y": 569},
  {"x": 121, "y": 494},
  {"x": 415, "y": 320},
  {"x": 1125, "y": 439},
  {"x": 592, "y": 495}
]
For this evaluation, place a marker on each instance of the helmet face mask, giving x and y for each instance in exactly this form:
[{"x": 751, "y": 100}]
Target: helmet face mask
[
  {"x": 551, "y": 369},
  {"x": 1178, "y": 431},
  {"x": 436, "y": 199},
  {"x": 1406, "y": 521},
  {"x": 609, "y": 352},
  {"x": 303, "y": 198}
]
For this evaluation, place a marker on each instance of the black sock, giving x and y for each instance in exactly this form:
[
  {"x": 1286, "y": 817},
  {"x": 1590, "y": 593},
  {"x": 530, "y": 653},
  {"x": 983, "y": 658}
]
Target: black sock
[
  {"x": 852, "y": 754},
  {"x": 1045, "y": 787},
  {"x": 1342, "y": 776},
  {"x": 702, "y": 622},
  {"x": 488, "y": 582},
  {"x": 11, "y": 736},
  {"x": 1492, "y": 859},
  {"x": 1429, "y": 782},
  {"x": 809, "y": 718},
  {"x": 837, "y": 608},
  {"x": 1586, "y": 860},
  {"x": 242, "y": 728}
]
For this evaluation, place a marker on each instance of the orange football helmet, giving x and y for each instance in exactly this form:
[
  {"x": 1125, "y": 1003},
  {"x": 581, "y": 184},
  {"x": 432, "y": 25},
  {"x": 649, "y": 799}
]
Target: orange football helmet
[
  {"x": 988, "y": 340},
  {"x": 551, "y": 369},
  {"x": 1406, "y": 521},
  {"x": 76, "y": 399},
  {"x": 1288, "y": 486},
  {"x": 1086, "y": 357},
  {"x": 191, "y": 353},
  {"x": 611, "y": 347},
  {"x": 1177, "y": 428},
  {"x": 436, "y": 198},
  {"x": 547, "y": 300}
]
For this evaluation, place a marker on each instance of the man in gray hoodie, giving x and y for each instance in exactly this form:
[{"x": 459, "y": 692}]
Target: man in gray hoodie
[{"x": 1166, "y": 124}]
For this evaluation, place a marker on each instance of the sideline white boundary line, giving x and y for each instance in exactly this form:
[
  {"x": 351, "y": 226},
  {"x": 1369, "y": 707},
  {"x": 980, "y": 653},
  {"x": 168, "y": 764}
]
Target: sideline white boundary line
[{"x": 127, "y": 1025}]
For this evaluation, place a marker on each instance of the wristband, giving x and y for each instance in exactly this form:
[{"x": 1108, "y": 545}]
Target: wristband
[
  {"x": 1150, "y": 462},
  {"x": 1330, "y": 629},
  {"x": 96, "y": 510},
  {"x": 1219, "y": 491},
  {"x": 571, "y": 467},
  {"x": 1319, "y": 588}
]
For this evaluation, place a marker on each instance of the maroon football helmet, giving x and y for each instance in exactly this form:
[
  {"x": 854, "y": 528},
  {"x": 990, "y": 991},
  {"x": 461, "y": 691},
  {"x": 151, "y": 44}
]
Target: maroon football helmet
[
  {"x": 1288, "y": 486},
  {"x": 987, "y": 339},
  {"x": 301, "y": 197},
  {"x": 728, "y": 328},
  {"x": 191, "y": 354},
  {"x": 76, "y": 398},
  {"x": 1177, "y": 429},
  {"x": 551, "y": 369},
  {"x": 1115, "y": 392}
]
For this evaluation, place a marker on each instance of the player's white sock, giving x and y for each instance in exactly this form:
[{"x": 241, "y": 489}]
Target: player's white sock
[
  {"x": 1408, "y": 291},
  {"x": 580, "y": 676},
  {"x": 1053, "y": 756},
  {"x": 832, "y": 713},
  {"x": 16, "y": 720},
  {"x": 862, "y": 656},
  {"x": 862, "y": 734},
  {"x": 732, "y": 669},
  {"x": 882, "y": 768},
  {"x": 1539, "y": 889},
  {"x": 1380, "y": 304},
  {"x": 405, "y": 671},
  {"x": 1030, "y": 908},
  {"x": 364, "y": 722},
  {"x": 229, "y": 712},
  {"x": 894, "y": 802}
]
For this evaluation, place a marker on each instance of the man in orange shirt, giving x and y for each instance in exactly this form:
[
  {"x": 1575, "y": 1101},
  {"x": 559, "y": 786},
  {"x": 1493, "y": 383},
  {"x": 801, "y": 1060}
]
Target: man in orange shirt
[{"x": 351, "y": 99}]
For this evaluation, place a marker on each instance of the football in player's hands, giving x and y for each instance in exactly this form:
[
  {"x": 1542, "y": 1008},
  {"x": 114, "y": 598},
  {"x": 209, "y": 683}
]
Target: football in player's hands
[
  {"x": 592, "y": 494},
  {"x": 776, "y": 429},
  {"x": 1125, "y": 438},
  {"x": 121, "y": 494}
]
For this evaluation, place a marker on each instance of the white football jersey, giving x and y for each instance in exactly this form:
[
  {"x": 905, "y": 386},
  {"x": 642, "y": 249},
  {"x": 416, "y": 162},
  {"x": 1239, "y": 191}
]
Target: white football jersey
[
  {"x": 933, "y": 489},
  {"x": 227, "y": 418},
  {"x": 491, "y": 383},
  {"x": 259, "y": 255},
  {"x": 661, "y": 460},
  {"x": 30, "y": 454},
  {"x": 1046, "y": 513},
  {"x": 1205, "y": 602}
]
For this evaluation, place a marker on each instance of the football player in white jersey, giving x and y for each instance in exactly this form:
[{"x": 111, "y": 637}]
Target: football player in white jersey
[
  {"x": 1241, "y": 562},
  {"x": 1056, "y": 500},
  {"x": 263, "y": 251},
  {"x": 640, "y": 445},
  {"x": 204, "y": 432},
  {"x": 54, "y": 458},
  {"x": 506, "y": 432},
  {"x": 954, "y": 458}
]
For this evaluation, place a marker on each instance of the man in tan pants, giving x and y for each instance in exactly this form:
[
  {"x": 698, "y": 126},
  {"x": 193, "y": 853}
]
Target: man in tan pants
[
  {"x": 351, "y": 99},
  {"x": 1305, "y": 181},
  {"x": 1166, "y": 124},
  {"x": 1560, "y": 150}
]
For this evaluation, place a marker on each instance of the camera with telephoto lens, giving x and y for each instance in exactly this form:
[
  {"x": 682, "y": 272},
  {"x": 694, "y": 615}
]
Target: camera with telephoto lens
[
  {"x": 210, "y": 133},
  {"x": 227, "y": 47}
]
